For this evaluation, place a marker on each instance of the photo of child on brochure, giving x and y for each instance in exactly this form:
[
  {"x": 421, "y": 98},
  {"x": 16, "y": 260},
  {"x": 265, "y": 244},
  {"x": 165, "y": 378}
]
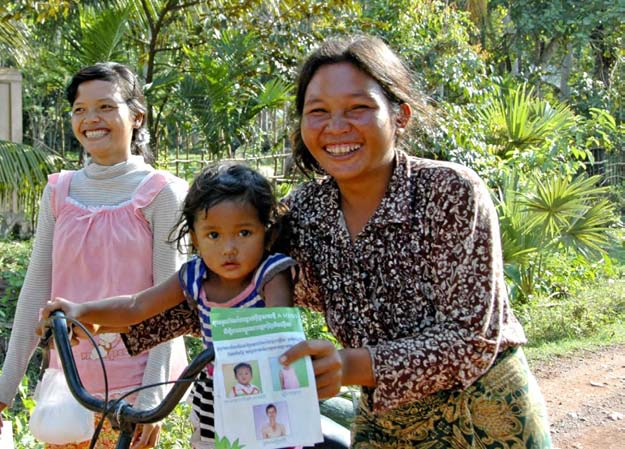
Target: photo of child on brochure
[{"x": 242, "y": 379}]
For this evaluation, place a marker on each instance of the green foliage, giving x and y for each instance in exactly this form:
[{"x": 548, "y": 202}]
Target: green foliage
[
  {"x": 617, "y": 197},
  {"x": 224, "y": 104},
  {"x": 598, "y": 306},
  {"x": 14, "y": 258},
  {"x": 19, "y": 415},
  {"x": 551, "y": 215},
  {"x": 435, "y": 38},
  {"x": 99, "y": 35},
  {"x": 176, "y": 431},
  {"x": 315, "y": 326},
  {"x": 224, "y": 443},
  {"x": 23, "y": 169},
  {"x": 601, "y": 130},
  {"x": 517, "y": 121}
]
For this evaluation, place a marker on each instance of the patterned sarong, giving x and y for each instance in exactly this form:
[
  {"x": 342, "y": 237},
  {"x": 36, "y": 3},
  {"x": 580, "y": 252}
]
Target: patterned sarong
[{"x": 504, "y": 409}]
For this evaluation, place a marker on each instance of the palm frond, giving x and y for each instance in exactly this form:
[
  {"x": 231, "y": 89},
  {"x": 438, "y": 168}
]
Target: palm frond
[
  {"x": 558, "y": 201},
  {"x": 517, "y": 121},
  {"x": 273, "y": 94},
  {"x": 590, "y": 233},
  {"x": 518, "y": 244},
  {"x": 99, "y": 34},
  {"x": 23, "y": 168}
]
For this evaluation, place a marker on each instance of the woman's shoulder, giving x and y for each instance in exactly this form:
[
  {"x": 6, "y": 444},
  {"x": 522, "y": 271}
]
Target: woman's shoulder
[
  {"x": 419, "y": 166},
  {"x": 310, "y": 194},
  {"x": 437, "y": 174},
  {"x": 174, "y": 189}
]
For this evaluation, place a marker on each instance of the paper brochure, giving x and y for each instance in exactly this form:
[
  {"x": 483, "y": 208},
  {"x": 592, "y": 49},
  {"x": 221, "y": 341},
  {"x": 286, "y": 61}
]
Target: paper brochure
[{"x": 258, "y": 402}]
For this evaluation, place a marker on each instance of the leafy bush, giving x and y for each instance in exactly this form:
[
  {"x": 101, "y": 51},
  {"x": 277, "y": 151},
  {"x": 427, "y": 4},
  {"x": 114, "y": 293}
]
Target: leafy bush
[
  {"x": 176, "y": 430},
  {"x": 596, "y": 307},
  {"x": 14, "y": 258}
]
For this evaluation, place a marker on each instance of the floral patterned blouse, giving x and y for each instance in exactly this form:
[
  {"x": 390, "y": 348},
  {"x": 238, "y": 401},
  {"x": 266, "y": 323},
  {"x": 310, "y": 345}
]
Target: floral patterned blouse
[{"x": 421, "y": 286}]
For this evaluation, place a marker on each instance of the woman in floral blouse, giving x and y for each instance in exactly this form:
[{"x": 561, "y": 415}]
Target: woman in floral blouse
[{"x": 403, "y": 256}]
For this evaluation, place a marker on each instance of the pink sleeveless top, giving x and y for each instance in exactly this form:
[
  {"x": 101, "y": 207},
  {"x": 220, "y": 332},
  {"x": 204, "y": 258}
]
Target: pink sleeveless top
[
  {"x": 100, "y": 252},
  {"x": 289, "y": 378}
]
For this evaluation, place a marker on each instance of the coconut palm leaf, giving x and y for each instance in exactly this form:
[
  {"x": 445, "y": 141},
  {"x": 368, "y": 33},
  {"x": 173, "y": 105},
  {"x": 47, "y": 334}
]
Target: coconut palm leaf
[
  {"x": 99, "y": 34},
  {"x": 23, "y": 168}
]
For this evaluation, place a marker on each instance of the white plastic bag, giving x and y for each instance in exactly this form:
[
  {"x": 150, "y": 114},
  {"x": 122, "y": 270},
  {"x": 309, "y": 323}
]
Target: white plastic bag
[{"x": 58, "y": 418}]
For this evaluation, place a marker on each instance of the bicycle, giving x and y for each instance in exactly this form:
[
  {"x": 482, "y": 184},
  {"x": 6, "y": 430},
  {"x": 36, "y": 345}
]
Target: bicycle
[{"x": 125, "y": 418}]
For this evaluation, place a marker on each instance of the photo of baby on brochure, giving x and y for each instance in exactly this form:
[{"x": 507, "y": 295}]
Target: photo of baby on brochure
[{"x": 242, "y": 379}]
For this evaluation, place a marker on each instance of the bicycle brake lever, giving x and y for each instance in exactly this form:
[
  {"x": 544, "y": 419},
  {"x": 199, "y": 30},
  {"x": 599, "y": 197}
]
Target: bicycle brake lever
[{"x": 45, "y": 339}]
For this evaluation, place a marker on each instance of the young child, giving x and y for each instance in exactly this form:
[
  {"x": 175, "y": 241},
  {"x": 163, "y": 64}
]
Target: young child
[
  {"x": 231, "y": 215},
  {"x": 244, "y": 387}
]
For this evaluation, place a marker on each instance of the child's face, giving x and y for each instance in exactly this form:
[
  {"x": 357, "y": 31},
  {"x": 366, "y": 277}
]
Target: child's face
[
  {"x": 244, "y": 375},
  {"x": 230, "y": 239}
]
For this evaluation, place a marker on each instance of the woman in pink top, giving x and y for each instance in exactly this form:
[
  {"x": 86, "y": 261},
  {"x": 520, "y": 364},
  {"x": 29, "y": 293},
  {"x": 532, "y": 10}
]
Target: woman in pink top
[
  {"x": 103, "y": 231},
  {"x": 288, "y": 378}
]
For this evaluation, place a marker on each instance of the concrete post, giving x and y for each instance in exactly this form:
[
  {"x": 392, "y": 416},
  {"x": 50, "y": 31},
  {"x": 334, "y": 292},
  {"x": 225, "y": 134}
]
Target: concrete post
[{"x": 11, "y": 105}]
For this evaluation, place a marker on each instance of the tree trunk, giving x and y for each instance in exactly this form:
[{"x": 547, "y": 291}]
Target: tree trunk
[
  {"x": 567, "y": 64},
  {"x": 604, "y": 58}
]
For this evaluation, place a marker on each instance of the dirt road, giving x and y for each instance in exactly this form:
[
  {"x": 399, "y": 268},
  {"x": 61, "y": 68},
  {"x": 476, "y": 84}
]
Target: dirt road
[{"x": 585, "y": 395}]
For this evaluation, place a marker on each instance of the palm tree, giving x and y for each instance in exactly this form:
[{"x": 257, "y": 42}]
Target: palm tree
[
  {"x": 23, "y": 174},
  {"x": 550, "y": 215},
  {"x": 518, "y": 121},
  {"x": 223, "y": 95}
]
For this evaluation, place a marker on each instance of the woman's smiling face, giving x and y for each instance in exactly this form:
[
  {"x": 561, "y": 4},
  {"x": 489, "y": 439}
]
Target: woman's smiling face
[
  {"x": 348, "y": 124},
  {"x": 102, "y": 122}
]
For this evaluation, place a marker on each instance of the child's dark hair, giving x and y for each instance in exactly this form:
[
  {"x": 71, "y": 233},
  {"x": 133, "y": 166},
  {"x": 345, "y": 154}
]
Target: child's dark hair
[
  {"x": 228, "y": 182},
  {"x": 238, "y": 366},
  {"x": 129, "y": 88}
]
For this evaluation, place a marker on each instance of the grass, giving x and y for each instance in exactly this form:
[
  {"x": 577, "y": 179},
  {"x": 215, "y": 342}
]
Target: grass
[
  {"x": 592, "y": 318},
  {"x": 608, "y": 336}
]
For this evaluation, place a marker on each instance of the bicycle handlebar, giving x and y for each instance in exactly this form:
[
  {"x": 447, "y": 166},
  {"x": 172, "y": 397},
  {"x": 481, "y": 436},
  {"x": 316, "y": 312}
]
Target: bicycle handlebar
[
  {"x": 123, "y": 413},
  {"x": 125, "y": 418}
]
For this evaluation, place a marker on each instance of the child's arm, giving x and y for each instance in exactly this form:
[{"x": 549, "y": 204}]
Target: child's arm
[
  {"x": 278, "y": 292},
  {"x": 121, "y": 310}
]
